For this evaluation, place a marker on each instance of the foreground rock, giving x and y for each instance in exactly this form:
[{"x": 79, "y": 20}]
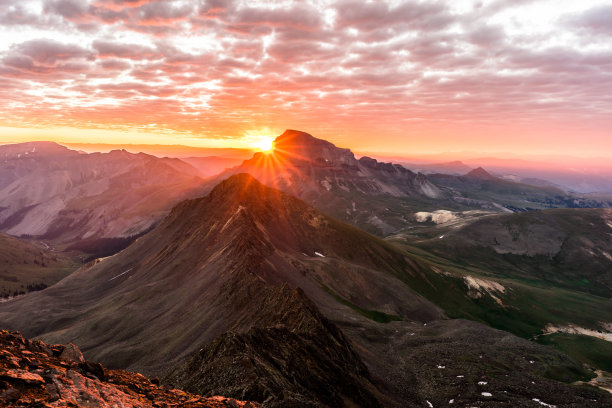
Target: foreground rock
[{"x": 36, "y": 374}]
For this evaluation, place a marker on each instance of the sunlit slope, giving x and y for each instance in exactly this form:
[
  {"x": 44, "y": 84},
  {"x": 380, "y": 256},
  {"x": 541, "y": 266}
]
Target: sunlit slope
[{"x": 55, "y": 193}]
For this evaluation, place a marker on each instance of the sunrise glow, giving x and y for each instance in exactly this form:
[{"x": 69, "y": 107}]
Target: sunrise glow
[
  {"x": 265, "y": 144},
  {"x": 379, "y": 77}
]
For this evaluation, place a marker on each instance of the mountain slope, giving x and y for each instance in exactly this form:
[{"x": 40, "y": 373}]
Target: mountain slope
[
  {"x": 49, "y": 191},
  {"x": 27, "y": 266},
  {"x": 209, "y": 269},
  {"x": 569, "y": 248},
  {"x": 250, "y": 283},
  {"x": 544, "y": 275}
]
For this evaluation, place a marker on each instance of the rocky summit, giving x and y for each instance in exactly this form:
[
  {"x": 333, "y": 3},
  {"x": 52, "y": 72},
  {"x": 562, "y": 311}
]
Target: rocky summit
[{"x": 35, "y": 374}]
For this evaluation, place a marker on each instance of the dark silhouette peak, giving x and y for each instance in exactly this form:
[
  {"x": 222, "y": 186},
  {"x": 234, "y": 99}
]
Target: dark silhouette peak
[
  {"x": 294, "y": 134},
  {"x": 237, "y": 183},
  {"x": 480, "y": 173},
  {"x": 301, "y": 146}
]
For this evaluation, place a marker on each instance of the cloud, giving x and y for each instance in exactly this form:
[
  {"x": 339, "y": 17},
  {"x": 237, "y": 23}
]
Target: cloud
[
  {"x": 48, "y": 52},
  {"x": 107, "y": 49},
  {"x": 596, "y": 20},
  {"x": 211, "y": 66}
]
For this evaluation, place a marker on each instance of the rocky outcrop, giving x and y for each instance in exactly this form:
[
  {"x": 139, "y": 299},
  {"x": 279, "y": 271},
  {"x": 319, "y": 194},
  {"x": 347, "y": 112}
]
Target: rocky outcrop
[
  {"x": 290, "y": 356},
  {"x": 36, "y": 374}
]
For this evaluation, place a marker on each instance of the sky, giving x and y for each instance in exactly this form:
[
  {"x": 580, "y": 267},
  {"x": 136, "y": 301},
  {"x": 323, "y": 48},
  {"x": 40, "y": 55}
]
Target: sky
[{"x": 392, "y": 77}]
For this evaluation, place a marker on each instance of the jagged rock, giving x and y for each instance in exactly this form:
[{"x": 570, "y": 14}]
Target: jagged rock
[
  {"x": 60, "y": 382},
  {"x": 72, "y": 353}
]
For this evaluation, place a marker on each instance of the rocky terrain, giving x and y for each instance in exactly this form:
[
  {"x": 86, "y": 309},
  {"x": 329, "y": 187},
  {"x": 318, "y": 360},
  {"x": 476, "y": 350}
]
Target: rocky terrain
[{"x": 35, "y": 374}]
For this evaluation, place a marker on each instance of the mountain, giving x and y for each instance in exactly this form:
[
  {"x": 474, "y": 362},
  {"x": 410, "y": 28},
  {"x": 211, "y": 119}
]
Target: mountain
[
  {"x": 384, "y": 198},
  {"x": 480, "y": 186},
  {"x": 305, "y": 166},
  {"x": 561, "y": 257},
  {"x": 453, "y": 167},
  {"x": 252, "y": 294},
  {"x": 52, "y": 192},
  {"x": 569, "y": 248},
  {"x": 369, "y": 194},
  {"x": 53, "y": 375},
  {"x": 208, "y": 270},
  {"x": 480, "y": 174},
  {"x": 27, "y": 266}
]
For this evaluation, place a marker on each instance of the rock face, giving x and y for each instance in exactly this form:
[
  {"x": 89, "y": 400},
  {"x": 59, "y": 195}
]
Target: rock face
[
  {"x": 291, "y": 356},
  {"x": 36, "y": 374},
  {"x": 49, "y": 191}
]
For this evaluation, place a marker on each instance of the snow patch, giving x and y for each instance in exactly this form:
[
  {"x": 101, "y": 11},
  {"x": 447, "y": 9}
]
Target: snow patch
[
  {"x": 483, "y": 284},
  {"x": 486, "y": 394},
  {"x": 121, "y": 274},
  {"x": 233, "y": 217},
  {"x": 482, "y": 383},
  {"x": 326, "y": 184},
  {"x": 573, "y": 329},
  {"x": 543, "y": 403},
  {"x": 438, "y": 216},
  {"x": 429, "y": 404},
  {"x": 478, "y": 287},
  {"x": 319, "y": 254}
]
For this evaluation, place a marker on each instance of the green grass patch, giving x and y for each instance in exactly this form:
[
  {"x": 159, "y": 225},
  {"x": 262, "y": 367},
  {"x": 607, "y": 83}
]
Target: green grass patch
[
  {"x": 375, "y": 315},
  {"x": 591, "y": 350}
]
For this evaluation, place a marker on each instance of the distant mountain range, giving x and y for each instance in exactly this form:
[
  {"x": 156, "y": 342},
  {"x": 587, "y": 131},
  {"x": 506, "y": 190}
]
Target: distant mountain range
[
  {"x": 52, "y": 192},
  {"x": 381, "y": 197},
  {"x": 252, "y": 294},
  {"x": 58, "y": 194}
]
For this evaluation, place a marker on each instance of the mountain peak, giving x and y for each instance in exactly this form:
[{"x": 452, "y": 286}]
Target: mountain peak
[
  {"x": 295, "y": 134},
  {"x": 480, "y": 173},
  {"x": 35, "y": 148},
  {"x": 241, "y": 184}
]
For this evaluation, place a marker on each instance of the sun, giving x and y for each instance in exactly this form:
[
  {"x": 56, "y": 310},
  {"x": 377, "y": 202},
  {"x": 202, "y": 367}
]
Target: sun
[{"x": 265, "y": 144}]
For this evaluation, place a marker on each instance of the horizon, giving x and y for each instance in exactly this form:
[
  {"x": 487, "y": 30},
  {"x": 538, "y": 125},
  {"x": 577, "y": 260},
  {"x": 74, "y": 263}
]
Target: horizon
[
  {"x": 420, "y": 78},
  {"x": 181, "y": 151}
]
